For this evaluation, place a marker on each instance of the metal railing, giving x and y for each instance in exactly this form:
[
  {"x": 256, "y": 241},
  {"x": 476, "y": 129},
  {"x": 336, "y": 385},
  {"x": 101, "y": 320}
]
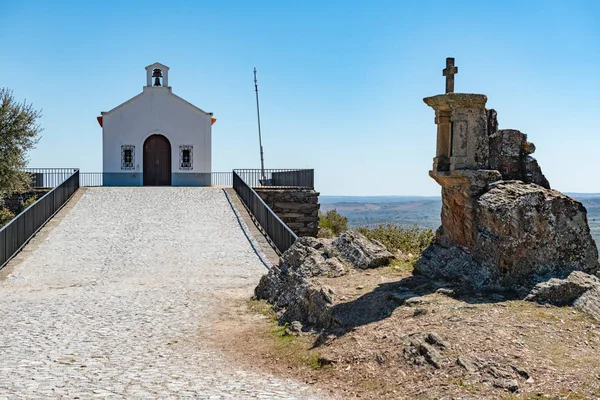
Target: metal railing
[
  {"x": 297, "y": 178},
  {"x": 48, "y": 177},
  {"x": 224, "y": 179},
  {"x": 52, "y": 177},
  {"x": 90, "y": 179},
  {"x": 15, "y": 234},
  {"x": 283, "y": 178},
  {"x": 276, "y": 231}
]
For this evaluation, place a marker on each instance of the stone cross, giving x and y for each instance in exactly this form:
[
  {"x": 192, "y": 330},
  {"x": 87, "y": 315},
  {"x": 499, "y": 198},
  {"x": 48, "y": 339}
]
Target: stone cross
[{"x": 449, "y": 73}]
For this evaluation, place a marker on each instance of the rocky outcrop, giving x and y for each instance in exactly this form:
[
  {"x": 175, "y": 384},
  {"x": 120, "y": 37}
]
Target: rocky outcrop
[
  {"x": 502, "y": 225},
  {"x": 562, "y": 292},
  {"x": 532, "y": 233},
  {"x": 363, "y": 253},
  {"x": 579, "y": 289},
  {"x": 290, "y": 288},
  {"x": 522, "y": 234},
  {"x": 293, "y": 286},
  {"x": 443, "y": 259},
  {"x": 510, "y": 154}
]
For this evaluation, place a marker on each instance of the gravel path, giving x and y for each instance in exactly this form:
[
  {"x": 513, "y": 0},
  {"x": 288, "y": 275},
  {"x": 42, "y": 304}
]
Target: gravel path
[{"x": 116, "y": 302}]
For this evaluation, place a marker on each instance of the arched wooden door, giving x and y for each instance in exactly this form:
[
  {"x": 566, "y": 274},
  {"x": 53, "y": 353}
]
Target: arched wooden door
[{"x": 157, "y": 161}]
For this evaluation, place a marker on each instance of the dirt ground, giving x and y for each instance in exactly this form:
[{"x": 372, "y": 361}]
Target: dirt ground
[{"x": 482, "y": 347}]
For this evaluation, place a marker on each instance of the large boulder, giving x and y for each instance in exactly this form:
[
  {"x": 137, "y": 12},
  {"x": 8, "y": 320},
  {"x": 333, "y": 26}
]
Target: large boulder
[
  {"x": 293, "y": 286},
  {"x": 532, "y": 234},
  {"x": 290, "y": 286},
  {"x": 522, "y": 234},
  {"x": 361, "y": 252}
]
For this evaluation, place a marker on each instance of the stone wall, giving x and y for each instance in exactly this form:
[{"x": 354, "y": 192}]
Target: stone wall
[{"x": 298, "y": 208}]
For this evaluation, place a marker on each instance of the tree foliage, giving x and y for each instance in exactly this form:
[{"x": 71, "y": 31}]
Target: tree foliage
[{"x": 19, "y": 132}]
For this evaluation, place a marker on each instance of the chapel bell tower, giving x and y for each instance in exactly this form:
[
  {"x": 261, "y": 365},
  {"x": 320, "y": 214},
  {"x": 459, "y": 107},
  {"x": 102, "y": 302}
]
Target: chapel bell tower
[{"x": 157, "y": 75}]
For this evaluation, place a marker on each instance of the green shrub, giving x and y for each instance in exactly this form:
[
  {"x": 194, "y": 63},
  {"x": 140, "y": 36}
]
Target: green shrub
[
  {"x": 395, "y": 237},
  {"x": 5, "y": 216},
  {"x": 333, "y": 221},
  {"x": 28, "y": 202}
]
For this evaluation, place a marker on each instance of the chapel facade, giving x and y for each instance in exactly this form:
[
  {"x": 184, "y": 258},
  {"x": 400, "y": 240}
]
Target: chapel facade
[{"x": 156, "y": 138}]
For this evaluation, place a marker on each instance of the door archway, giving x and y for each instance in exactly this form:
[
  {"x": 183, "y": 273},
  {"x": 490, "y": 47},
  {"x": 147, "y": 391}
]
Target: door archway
[{"x": 157, "y": 161}]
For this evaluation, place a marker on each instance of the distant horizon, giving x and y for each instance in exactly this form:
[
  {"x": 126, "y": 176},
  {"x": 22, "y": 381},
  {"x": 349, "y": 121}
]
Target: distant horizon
[{"x": 572, "y": 194}]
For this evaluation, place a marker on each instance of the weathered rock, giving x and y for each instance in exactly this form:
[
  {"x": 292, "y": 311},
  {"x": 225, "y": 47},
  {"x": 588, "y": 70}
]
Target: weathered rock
[
  {"x": 419, "y": 352},
  {"x": 530, "y": 233},
  {"x": 288, "y": 286},
  {"x": 589, "y": 302},
  {"x": 466, "y": 363},
  {"x": 510, "y": 155},
  {"x": 434, "y": 338},
  {"x": 446, "y": 292},
  {"x": 492, "y": 120},
  {"x": 361, "y": 252},
  {"x": 523, "y": 234},
  {"x": 454, "y": 264},
  {"x": 293, "y": 286},
  {"x": 562, "y": 292},
  {"x": 579, "y": 289},
  {"x": 509, "y": 384},
  {"x": 460, "y": 190},
  {"x": 296, "y": 326}
]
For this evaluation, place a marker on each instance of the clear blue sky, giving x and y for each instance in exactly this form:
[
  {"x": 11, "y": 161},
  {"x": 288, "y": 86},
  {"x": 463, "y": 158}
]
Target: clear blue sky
[{"x": 341, "y": 82}]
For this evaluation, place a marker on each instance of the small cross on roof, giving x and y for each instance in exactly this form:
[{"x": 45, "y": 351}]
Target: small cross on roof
[{"x": 449, "y": 73}]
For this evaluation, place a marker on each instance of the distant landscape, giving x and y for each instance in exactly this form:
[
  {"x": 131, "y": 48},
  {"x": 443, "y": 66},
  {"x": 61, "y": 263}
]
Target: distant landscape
[{"x": 372, "y": 211}]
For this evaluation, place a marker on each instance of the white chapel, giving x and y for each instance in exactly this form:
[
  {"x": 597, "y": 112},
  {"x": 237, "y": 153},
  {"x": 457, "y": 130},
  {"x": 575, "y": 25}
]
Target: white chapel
[{"x": 156, "y": 138}]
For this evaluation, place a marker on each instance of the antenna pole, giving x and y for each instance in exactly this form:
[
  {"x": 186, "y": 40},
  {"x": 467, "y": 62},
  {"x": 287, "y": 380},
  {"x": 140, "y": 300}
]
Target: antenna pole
[{"x": 262, "y": 160}]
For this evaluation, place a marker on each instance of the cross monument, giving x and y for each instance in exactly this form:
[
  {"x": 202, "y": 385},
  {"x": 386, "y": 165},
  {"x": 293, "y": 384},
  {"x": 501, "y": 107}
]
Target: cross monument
[{"x": 449, "y": 73}]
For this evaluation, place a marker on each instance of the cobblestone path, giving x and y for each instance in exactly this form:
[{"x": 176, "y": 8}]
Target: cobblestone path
[{"x": 116, "y": 301}]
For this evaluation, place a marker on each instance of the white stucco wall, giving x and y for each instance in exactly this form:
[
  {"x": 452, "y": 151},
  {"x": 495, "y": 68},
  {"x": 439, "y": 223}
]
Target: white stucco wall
[{"x": 156, "y": 111}]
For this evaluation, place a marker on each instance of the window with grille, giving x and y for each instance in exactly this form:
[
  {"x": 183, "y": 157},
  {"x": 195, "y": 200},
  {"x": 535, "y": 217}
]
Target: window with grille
[
  {"x": 127, "y": 157},
  {"x": 185, "y": 157}
]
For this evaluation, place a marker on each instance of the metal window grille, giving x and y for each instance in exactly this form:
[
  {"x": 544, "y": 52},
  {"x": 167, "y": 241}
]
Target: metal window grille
[
  {"x": 128, "y": 157},
  {"x": 186, "y": 157}
]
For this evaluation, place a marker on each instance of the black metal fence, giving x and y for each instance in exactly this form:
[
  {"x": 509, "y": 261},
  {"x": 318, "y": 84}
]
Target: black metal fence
[
  {"x": 52, "y": 177},
  {"x": 17, "y": 232},
  {"x": 303, "y": 178},
  {"x": 280, "y": 235}
]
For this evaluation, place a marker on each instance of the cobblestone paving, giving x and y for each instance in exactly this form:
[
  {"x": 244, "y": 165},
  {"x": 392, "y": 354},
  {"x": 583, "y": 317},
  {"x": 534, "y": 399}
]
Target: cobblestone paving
[{"x": 116, "y": 302}]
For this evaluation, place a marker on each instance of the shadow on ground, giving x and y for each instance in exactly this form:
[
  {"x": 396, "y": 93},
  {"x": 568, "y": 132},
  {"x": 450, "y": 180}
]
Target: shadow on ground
[{"x": 380, "y": 303}]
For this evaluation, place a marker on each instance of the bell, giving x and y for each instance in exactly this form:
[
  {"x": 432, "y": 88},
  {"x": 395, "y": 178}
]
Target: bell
[{"x": 157, "y": 74}]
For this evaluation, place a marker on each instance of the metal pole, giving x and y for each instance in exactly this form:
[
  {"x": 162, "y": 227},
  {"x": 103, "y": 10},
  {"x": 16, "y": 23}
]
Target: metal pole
[{"x": 262, "y": 160}]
